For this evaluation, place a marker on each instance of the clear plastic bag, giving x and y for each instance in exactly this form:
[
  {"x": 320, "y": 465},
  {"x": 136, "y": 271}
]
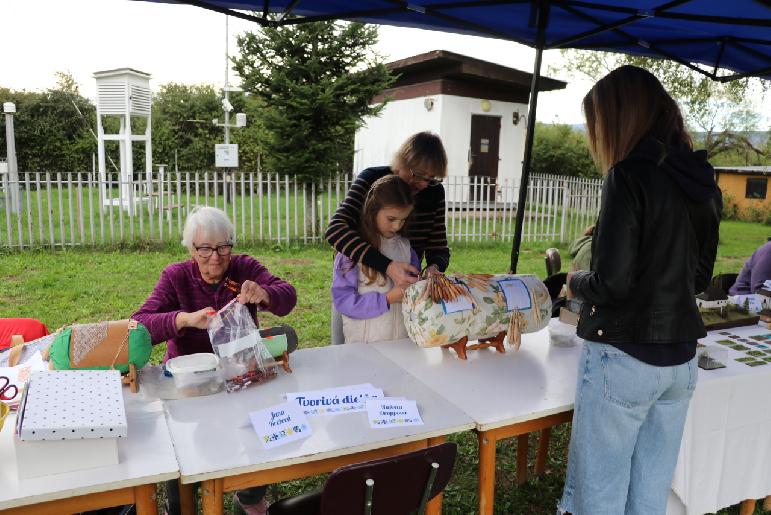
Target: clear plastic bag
[{"x": 236, "y": 341}]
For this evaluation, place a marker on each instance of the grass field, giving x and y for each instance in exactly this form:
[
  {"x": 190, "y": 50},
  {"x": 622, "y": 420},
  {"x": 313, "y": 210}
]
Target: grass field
[{"x": 62, "y": 287}]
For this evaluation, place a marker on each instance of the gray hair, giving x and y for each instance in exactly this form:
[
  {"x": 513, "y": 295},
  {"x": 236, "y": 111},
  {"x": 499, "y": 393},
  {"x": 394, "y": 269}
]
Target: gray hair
[{"x": 210, "y": 222}]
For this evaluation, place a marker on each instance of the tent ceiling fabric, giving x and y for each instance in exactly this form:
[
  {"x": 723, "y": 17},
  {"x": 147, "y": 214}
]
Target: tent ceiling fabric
[{"x": 709, "y": 35}]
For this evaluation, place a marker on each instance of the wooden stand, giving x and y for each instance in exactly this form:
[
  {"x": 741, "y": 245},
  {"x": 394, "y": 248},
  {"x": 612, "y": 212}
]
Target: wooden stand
[
  {"x": 131, "y": 378},
  {"x": 460, "y": 347},
  {"x": 284, "y": 361}
]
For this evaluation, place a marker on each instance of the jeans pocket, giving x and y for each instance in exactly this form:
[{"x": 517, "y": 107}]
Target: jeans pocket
[
  {"x": 629, "y": 382},
  {"x": 693, "y": 374}
]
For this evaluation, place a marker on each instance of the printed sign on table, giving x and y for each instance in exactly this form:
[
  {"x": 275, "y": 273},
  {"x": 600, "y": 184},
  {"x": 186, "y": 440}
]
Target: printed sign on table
[
  {"x": 332, "y": 401},
  {"x": 393, "y": 412},
  {"x": 279, "y": 425}
]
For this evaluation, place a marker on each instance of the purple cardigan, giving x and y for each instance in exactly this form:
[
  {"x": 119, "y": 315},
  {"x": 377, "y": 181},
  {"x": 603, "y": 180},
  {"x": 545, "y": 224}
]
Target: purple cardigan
[
  {"x": 755, "y": 271},
  {"x": 345, "y": 290},
  {"x": 181, "y": 288}
]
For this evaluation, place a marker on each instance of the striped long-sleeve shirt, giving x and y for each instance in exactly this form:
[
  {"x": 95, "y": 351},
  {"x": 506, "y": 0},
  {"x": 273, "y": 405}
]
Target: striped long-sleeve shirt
[{"x": 427, "y": 231}]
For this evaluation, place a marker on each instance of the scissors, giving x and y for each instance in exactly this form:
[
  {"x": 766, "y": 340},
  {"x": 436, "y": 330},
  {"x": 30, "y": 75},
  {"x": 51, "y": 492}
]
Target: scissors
[{"x": 5, "y": 389}]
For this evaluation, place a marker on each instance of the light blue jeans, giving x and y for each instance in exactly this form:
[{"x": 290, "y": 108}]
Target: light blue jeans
[{"x": 627, "y": 425}]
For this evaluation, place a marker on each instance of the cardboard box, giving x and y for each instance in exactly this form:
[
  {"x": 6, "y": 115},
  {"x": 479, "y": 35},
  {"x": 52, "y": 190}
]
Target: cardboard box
[{"x": 69, "y": 420}]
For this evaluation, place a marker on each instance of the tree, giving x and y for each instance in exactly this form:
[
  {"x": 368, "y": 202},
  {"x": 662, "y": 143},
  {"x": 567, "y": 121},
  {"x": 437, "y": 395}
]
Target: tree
[
  {"x": 719, "y": 112},
  {"x": 315, "y": 82},
  {"x": 50, "y": 135},
  {"x": 558, "y": 149}
]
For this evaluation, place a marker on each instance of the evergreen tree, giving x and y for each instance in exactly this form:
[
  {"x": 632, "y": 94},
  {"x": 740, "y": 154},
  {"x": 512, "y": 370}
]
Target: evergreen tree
[{"x": 315, "y": 81}]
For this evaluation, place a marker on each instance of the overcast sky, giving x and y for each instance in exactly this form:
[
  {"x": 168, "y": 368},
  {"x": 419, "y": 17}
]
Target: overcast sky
[{"x": 187, "y": 44}]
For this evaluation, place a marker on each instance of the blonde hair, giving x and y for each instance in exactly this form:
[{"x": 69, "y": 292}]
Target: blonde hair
[
  {"x": 625, "y": 106},
  {"x": 422, "y": 151}
]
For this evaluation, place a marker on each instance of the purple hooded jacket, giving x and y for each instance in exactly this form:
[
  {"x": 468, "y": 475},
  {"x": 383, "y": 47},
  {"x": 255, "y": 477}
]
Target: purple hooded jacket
[{"x": 181, "y": 288}]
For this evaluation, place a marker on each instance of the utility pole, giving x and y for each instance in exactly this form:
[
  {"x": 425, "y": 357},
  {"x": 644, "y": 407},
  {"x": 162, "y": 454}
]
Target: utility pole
[{"x": 9, "y": 108}]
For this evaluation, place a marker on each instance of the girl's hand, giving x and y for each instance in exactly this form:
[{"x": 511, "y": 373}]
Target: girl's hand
[
  {"x": 197, "y": 319},
  {"x": 253, "y": 293},
  {"x": 403, "y": 274},
  {"x": 395, "y": 294}
]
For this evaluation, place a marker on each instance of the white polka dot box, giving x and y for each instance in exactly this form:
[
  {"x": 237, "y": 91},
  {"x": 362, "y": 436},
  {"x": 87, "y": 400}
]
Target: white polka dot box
[{"x": 73, "y": 405}]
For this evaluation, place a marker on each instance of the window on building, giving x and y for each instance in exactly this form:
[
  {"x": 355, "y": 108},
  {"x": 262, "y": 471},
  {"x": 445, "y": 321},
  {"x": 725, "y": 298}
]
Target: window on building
[{"x": 756, "y": 188}]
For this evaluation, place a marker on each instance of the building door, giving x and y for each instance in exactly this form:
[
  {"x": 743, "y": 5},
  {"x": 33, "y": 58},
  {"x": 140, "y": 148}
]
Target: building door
[{"x": 483, "y": 156}]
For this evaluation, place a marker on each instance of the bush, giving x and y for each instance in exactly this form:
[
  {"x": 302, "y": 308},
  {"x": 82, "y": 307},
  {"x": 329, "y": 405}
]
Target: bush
[{"x": 562, "y": 150}]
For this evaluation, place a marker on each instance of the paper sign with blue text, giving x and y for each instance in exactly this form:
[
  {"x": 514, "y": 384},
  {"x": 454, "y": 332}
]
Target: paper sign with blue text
[
  {"x": 393, "y": 412},
  {"x": 516, "y": 293},
  {"x": 280, "y": 424},
  {"x": 334, "y": 401}
]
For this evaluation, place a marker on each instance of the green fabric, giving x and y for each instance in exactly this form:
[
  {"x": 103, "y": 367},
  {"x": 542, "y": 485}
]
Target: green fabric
[
  {"x": 581, "y": 252},
  {"x": 139, "y": 349},
  {"x": 276, "y": 345}
]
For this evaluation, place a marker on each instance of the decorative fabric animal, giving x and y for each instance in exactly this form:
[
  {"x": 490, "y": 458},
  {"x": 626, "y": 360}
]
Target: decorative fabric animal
[
  {"x": 101, "y": 346},
  {"x": 475, "y": 307}
]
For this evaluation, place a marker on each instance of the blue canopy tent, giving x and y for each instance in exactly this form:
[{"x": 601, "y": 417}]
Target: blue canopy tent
[{"x": 722, "y": 39}]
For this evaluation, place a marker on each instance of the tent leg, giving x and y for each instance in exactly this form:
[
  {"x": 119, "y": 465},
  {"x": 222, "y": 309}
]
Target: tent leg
[{"x": 542, "y": 20}]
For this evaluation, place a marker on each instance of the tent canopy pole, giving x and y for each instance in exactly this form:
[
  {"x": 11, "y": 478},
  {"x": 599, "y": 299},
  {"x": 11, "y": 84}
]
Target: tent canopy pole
[{"x": 542, "y": 14}]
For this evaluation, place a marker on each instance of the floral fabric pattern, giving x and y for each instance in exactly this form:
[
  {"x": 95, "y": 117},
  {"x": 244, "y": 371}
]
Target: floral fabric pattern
[{"x": 429, "y": 326}]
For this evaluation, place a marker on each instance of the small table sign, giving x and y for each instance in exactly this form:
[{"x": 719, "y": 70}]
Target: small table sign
[
  {"x": 335, "y": 401},
  {"x": 393, "y": 412},
  {"x": 279, "y": 425}
]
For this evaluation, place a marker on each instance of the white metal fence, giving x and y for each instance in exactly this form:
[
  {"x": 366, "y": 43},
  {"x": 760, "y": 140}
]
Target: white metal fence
[{"x": 71, "y": 209}]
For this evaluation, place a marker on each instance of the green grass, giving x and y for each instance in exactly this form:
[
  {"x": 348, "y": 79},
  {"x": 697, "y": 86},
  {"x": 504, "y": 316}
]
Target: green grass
[{"x": 82, "y": 285}]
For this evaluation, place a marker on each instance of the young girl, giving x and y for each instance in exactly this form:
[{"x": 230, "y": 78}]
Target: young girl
[{"x": 369, "y": 301}]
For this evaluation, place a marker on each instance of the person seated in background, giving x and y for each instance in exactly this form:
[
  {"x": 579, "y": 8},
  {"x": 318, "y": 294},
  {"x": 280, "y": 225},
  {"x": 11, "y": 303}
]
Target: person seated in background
[
  {"x": 755, "y": 271},
  {"x": 581, "y": 250},
  {"x": 189, "y": 292}
]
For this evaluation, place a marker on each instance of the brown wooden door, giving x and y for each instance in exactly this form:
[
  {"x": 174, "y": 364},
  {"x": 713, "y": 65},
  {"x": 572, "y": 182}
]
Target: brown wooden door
[{"x": 483, "y": 155}]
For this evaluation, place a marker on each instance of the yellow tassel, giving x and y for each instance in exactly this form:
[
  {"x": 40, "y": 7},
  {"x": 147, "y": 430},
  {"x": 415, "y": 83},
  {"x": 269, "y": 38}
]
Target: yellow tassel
[{"x": 514, "y": 330}]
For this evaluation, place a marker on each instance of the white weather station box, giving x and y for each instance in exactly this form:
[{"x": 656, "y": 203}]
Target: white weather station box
[{"x": 226, "y": 155}]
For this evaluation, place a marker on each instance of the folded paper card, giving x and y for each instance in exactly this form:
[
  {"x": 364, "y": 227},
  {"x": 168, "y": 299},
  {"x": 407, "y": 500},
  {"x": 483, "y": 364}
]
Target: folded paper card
[
  {"x": 393, "y": 412},
  {"x": 332, "y": 401},
  {"x": 279, "y": 425}
]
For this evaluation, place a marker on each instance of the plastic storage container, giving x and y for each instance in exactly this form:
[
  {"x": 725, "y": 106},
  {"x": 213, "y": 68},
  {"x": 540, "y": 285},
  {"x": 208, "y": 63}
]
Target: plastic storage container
[
  {"x": 196, "y": 374},
  {"x": 562, "y": 335}
]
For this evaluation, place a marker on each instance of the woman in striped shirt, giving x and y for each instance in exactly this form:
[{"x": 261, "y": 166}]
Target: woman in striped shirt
[{"x": 422, "y": 163}]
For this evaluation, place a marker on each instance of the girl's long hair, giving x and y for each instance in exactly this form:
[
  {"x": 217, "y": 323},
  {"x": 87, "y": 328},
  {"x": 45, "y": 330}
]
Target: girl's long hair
[
  {"x": 388, "y": 191},
  {"x": 623, "y": 108}
]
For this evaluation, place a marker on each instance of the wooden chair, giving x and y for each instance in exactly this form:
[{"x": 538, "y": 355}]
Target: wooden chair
[
  {"x": 724, "y": 281},
  {"x": 391, "y": 486}
]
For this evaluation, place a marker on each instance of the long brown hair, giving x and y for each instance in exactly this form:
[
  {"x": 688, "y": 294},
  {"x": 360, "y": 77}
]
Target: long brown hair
[
  {"x": 625, "y": 106},
  {"x": 422, "y": 151},
  {"x": 388, "y": 191}
]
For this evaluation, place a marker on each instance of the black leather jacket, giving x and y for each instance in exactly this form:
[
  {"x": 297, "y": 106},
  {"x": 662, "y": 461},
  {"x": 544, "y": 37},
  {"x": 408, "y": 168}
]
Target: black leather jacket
[{"x": 654, "y": 248}]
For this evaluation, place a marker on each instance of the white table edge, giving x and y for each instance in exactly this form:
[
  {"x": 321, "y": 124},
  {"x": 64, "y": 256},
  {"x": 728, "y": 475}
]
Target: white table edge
[
  {"x": 194, "y": 478},
  {"x": 86, "y": 490},
  {"x": 481, "y": 427}
]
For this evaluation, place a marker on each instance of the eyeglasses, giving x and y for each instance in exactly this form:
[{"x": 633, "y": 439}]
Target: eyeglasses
[
  {"x": 222, "y": 250},
  {"x": 426, "y": 178}
]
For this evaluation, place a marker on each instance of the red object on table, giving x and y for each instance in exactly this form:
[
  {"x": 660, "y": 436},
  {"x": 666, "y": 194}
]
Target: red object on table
[{"x": 29, "y": 328}]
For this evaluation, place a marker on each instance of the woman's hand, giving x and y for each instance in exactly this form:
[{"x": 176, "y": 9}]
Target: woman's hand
[
  {"x": 395, "y": 294},
  {"x": 403, "y": 274},
  {"x": 198, "y": 319},
  {"x": 253, "y": 293}
]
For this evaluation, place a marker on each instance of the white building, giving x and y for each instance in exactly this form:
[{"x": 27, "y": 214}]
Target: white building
[{"x": 478, "y": 108}]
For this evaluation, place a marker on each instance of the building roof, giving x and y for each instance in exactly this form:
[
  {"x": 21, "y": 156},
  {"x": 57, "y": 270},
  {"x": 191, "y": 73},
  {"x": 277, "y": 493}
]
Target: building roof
[
  {"x": 711, "y": 294},
  {"x": 744, "y": 170},
  {"x": 120, "y": 71},
  {"x": 443, "y": 72}
]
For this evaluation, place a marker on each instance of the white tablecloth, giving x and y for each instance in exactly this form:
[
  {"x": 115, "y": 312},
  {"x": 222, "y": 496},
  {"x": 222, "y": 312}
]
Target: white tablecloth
[{"x": 725, "y": 454}]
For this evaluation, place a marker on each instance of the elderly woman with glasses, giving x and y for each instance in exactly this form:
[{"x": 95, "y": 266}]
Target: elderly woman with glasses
[
  {"x": 421, "y": 162},
  {"x": 188, "y": 292}
]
